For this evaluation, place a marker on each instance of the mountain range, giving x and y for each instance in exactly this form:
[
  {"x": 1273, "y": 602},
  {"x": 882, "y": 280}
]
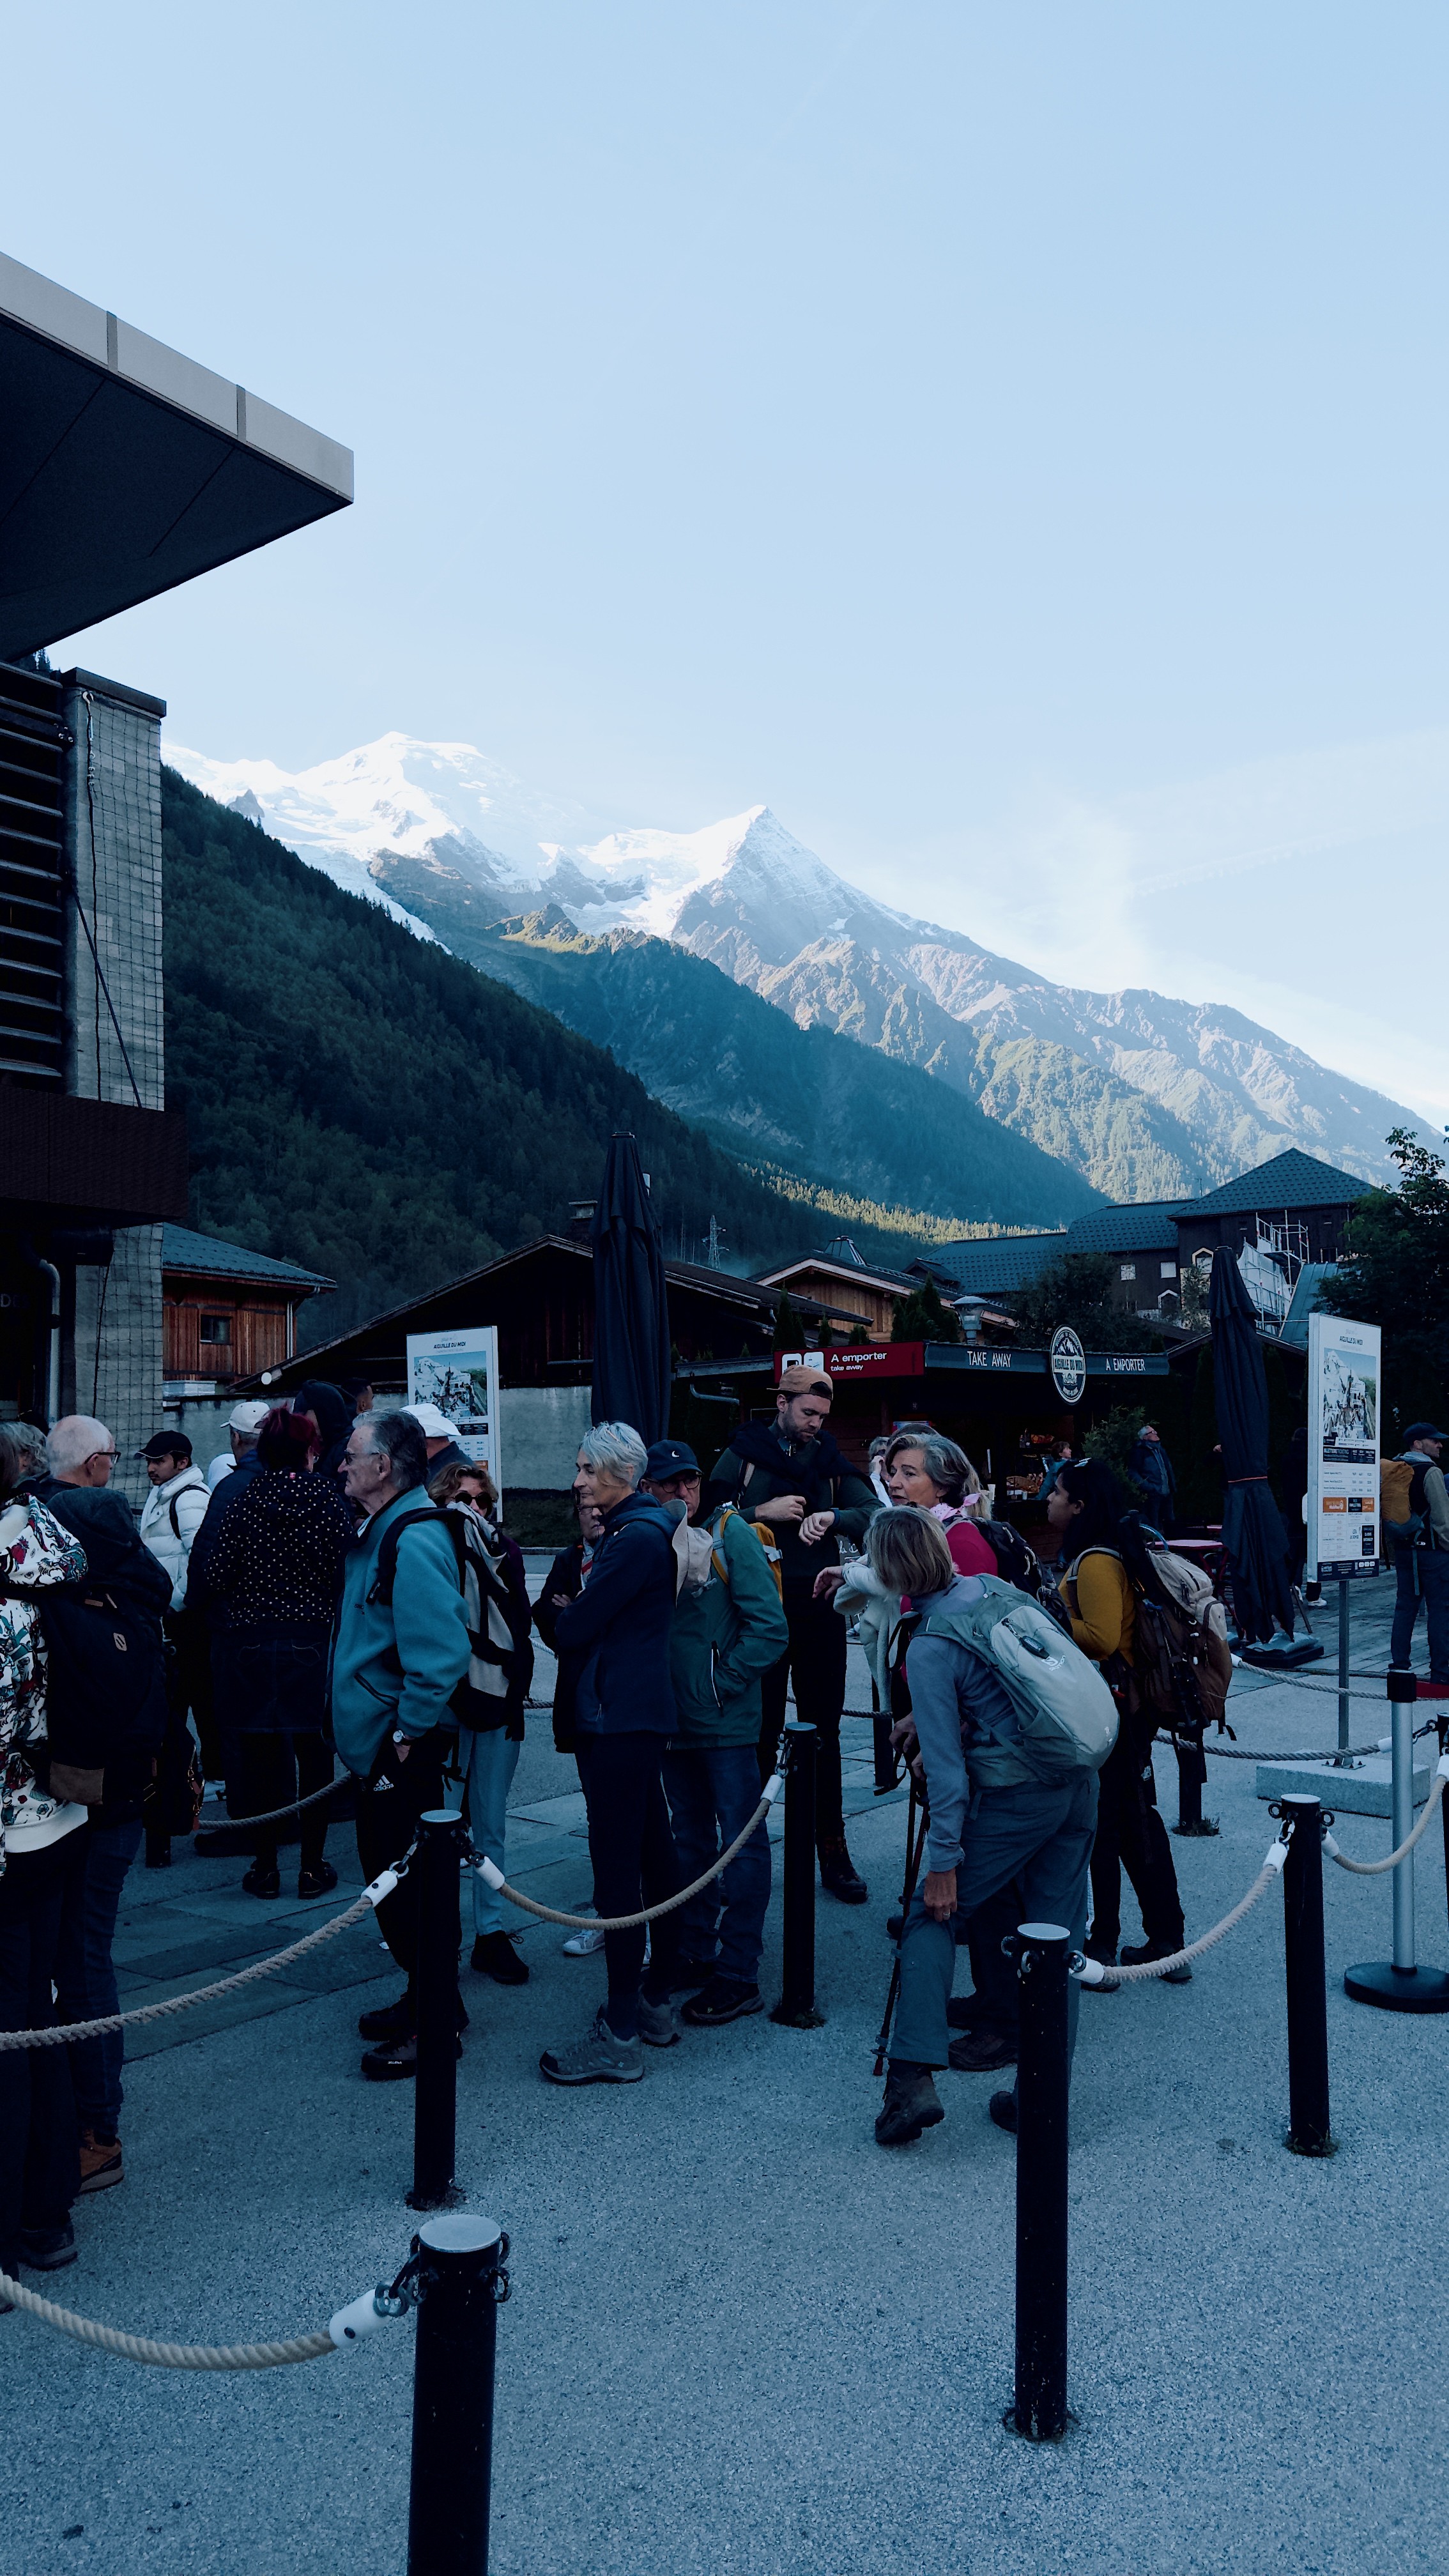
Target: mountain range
[{"x": 1140, "y": 1095}]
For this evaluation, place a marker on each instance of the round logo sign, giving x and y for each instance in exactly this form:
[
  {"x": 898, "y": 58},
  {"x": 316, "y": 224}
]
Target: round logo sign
[{"x": 1068, "y": 1364}]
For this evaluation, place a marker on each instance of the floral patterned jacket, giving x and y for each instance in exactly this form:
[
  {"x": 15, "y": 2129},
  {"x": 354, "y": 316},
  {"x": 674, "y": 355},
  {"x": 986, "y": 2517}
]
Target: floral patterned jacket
[{"x": 35, "y": 1551}]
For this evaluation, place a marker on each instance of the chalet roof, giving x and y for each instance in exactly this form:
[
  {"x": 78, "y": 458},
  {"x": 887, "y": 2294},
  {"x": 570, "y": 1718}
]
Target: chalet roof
[
  {"x": 992, "y": 1265},
  {"x": 1148, "y": 1226},
  {"x": 205, "y": 1255},
  {"x": 838, "y": 1265},
  {"x": 1286, "y": 1180}
]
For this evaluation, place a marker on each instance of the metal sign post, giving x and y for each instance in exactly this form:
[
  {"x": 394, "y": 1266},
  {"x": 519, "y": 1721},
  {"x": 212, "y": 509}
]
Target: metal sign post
[{"x": 1399, "y": 1984}]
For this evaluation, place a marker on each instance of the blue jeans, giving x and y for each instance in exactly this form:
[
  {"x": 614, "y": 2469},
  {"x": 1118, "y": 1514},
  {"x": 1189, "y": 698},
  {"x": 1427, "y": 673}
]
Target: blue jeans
[
  {"x": 712, "y": 1795},
  {"x": 487, "y": 1761},
  {"x": 1043, "y": 1836},
  {"x": 85, "y": 1978},
  {"x": 1422, "y": 1574}
]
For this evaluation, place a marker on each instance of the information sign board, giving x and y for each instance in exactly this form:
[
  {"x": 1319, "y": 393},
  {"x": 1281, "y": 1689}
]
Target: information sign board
[
  {"x": 458, "y": 1372},
  {"x": 1344, "y": 1413}
]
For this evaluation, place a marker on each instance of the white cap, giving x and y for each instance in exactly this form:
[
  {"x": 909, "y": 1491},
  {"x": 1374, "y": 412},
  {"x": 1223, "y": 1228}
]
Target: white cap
[
  {"x": 432, "y": 1421},
  {"x": 247, "y": 1417}
]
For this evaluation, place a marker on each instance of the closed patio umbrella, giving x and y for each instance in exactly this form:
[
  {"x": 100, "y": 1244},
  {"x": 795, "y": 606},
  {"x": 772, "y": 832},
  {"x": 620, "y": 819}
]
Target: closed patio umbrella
[
  {"x": 631, "y": 1303},
  {"x": 1253, "y": 1532}
]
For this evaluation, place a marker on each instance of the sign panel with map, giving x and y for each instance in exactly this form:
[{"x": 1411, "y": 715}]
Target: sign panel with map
[
  {"x": 458, "y": 1372},
  {"x": 1344, "y": 1413}
]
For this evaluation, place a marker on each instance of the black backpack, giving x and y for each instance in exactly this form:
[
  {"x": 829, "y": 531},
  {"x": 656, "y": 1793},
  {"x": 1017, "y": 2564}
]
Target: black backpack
[{"x": 105, "y": 1683}]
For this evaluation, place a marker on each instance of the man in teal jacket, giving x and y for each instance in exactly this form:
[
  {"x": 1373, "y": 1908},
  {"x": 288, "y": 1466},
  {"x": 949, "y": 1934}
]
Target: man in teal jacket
[
  {"x": 399, "y": 1650},
  {"x": 729, "y": 1628}
]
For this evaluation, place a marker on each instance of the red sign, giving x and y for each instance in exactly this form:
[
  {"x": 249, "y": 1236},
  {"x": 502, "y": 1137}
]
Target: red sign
[{"x": 868, "y": 1359}]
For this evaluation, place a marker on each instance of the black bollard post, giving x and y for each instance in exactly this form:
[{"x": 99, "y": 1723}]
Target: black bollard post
[
  {"x": 1191, "y": 1782},
  {"x": 796, "y": 2007},
  {"x": 460, "y": 2283},
  {"x": 1308, "y": 2129},
  {"x": 1039, "y": 2408},
  {"x": 440, "y": 1848}
]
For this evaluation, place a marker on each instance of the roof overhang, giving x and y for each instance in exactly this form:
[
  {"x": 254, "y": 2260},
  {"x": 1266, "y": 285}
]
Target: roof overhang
[{"x": 126, "y": 468}]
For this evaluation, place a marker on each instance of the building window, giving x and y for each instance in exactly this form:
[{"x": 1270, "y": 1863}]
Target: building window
[
  {"x": 1169, "y": 1270},
  {"x": 216, "y": 1328},
  {"x": 1128, "y": 1270}
]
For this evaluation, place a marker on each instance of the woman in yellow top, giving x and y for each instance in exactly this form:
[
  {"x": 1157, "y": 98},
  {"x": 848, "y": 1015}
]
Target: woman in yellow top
[{"x": 1104, "y": 1552}]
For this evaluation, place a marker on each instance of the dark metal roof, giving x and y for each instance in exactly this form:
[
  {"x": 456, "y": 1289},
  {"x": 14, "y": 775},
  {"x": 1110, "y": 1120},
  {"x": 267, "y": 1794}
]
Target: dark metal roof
[
  {"x": 991, "y": 1266},
  {"x": 1150, "y": 1226},
  {"x": 126, "y": 468},
  {"x": 183, "y": 1249},
  {"x": 1287, "y": 1180}
]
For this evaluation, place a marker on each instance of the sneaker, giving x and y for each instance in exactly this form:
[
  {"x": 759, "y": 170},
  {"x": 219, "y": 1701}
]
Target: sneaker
[
  {"x": 100, "y": 2161},
  {"x": 597, "y": 2058},
  {"x": 723, "y": 1999},
  {"x": 262, "y": 1882},
  {"x": 583, "y": 1945},
  {"x": 911, "y": 2104},
  {"x": 980, "y": 2052},
  {"x": 495, "y": 1956},
  {"x": 1137, "y": 1954},
  {"x": 48, "y": 2249},
  {"x": 389, "y": 2021},
  {"x": 397, "y": 2060},
  {"x": 1002, "y": 2107},
  {"x": 317, "y": 1882},
  {"x": 658, "y": 2024}
]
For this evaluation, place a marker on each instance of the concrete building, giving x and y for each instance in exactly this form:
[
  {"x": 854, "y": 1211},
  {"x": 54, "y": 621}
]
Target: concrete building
[{"x": 125, "y": 468}]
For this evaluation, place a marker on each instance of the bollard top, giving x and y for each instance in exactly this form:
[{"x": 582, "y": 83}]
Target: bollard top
[
  {"x": 440, "y": 1816},
  {"x": 1038, "y": 1932},
  {"x": 798, "y": 1726},
  {"x": 1298, "y": 1798},
  {"x": 459, "y": 2232}
]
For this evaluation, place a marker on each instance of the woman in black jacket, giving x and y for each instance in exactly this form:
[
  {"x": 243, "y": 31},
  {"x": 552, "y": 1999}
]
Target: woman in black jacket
[{"x": 277, "y": 1566}]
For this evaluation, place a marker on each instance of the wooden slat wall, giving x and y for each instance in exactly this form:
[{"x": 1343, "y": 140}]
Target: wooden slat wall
[{"x": 258, "y": 1337}]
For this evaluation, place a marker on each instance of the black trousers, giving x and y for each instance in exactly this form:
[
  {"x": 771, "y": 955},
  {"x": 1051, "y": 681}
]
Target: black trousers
[
  {"x": 189, "y": 1684},
  {"x": 274, "y": 1770},
  {"x": 631, "y": 1844},
  {"x": 387, "y": 1819},
  {"x": 39, "y": 2159},
  {"x": 1132, "y": 1836},
  {"x": 814, "y": 1661}
]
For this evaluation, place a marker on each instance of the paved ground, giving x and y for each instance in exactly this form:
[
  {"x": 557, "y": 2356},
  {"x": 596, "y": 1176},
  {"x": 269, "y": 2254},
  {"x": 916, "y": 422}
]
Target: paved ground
[{"x": 743, "y": 2341}]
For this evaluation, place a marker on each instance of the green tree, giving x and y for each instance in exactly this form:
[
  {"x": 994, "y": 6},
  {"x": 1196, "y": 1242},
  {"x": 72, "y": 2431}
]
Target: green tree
[
  {"x": 1396, "y": 1275},
  {"x": 921, "y": 1317}
]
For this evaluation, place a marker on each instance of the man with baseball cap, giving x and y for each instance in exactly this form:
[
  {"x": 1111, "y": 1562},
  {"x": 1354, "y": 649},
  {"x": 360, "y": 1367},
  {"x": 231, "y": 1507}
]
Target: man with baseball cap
[
  {"x": 1421, "y": 1567},
  {"x": 790, "y": 1474},
  {"x": 243, "y": 1424}
]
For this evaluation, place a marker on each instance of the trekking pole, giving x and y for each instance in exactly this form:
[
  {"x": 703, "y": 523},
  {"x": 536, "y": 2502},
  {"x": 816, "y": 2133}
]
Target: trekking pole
[
  {"x": 796, "y": 2007},
  {"x": 915, "y": 1846},
  {"x": 441, "y": 1839},
  {"x": 1039, "y": 2407},
  {"x": 886, "y": 1774},
  {"x": 1308, "y": 2129},
  {"x": 460, "y": 2284}
]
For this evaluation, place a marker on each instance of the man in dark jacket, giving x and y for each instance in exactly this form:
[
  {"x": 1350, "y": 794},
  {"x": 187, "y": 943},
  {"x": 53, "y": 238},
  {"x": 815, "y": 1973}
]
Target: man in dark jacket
[
  {"x": 221, "y": 1842},
  {"x": 790, "y": 1475},
  {"x": 562, "y": 1584},
  {"x": 80, "y": 1455},
  {"x": 624, "y": 1713},
  {"x": 1152, "y": 1467}
]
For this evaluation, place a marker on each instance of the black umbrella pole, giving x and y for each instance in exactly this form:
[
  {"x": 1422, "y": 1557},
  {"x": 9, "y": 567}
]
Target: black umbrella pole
[
  {"x": 460, "y": 2281},
  {"x": 1039, "y": 2407},
  {"x": 796, "y": 2007},
  {"x": 1308, "y": 2129},
  {"x": 440, "y": 1845}
]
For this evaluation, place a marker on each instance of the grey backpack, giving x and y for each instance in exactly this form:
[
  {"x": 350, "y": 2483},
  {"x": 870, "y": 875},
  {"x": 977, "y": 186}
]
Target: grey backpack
[{"x": 1065, "y": 1713}]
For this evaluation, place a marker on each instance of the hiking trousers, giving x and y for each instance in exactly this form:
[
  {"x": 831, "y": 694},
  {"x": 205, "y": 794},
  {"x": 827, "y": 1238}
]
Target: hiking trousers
[
  {"x": 631, "y": 1844},
  {"x": 1041, "y": 1836},
  {"x": 814, "y": 1660},
  {"x": 1422, "y": 1575},
  {"x": 1132, "y": 1836}
]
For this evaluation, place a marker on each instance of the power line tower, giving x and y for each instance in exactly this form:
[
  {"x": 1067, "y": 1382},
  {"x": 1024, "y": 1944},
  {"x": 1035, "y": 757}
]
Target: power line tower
[{"x": 716, "y": 1238}]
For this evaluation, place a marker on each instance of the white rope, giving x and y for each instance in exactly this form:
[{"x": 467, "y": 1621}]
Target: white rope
[
  {"x": 1108, "y": 1979},
  {"x": 1375, "y": 1868},
  {"x": 489, "y": 1871},
  {"x": 168, "y": 2356}
]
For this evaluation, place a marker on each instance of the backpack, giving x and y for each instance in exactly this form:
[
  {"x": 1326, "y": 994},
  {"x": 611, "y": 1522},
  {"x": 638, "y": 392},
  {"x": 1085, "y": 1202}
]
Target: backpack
[
  {"x": 498, "y": 1614},
  {"x": 105, "y": 1687},
  {"x": 1402, "y": 1506},
  {"x": 1016, "y": 1563},
  {"x": 1065, "y": 1714},
  {"x": 1184, "y": 1665},
  {"x": 758, "y": 1529}
]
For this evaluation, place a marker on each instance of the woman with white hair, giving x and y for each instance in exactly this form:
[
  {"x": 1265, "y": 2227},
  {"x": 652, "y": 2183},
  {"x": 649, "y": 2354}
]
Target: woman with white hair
[{"x": 624, "y": 1714}]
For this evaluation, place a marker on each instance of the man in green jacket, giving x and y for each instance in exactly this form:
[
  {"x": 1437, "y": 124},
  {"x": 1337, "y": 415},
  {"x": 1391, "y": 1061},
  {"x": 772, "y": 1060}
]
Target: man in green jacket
[{"x": 729, "y": 1628}]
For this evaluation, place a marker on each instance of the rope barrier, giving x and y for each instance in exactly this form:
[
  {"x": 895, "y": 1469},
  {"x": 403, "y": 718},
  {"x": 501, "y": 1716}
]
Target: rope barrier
[
  {"x": 61, "y": 2032},
  {"x": 1375, "y": 1868},
  {"x": 274, "y": 1815},
  {"x": 169, "y": 2356},
  {"x": 495, "y": 1879},
  {"x": 1110, "y": 1978}
]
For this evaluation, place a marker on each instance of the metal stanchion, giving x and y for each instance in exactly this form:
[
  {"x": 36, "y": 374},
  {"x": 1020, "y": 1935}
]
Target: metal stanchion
[
  {"x": 459, "y": 2285},
  {"x": 1399, "y": 1985},
  {"x": 1341, "y": 1759},
  {"x": 1308, "y": 2129},
  {"x": 441, "y": 1841},
  {"x": 796, "y": 2007},
  {"x": 1039, "y": 2406}
]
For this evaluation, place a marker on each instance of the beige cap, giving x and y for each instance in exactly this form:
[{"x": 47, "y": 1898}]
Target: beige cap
[
  {"x": 800, "y": 1379},
  {"x": 247, "y": 1417}
]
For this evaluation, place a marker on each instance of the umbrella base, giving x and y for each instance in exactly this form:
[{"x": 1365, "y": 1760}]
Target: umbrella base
[
  {"x": 1411, "y": 1990},
  {"x": 1280, "y": 1657}
]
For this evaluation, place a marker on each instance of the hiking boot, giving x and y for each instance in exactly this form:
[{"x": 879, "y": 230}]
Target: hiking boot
[
  {"x": 48, "y": 2249},
  {"x": 839, "y": 1875},
  {"x": 1138, "y": 1954},
  {"x": 658, "y": 2023},
  {"x": 397, "y": 2060},
  {"x": 262, "y": 1882},
  {"x": 100, "y": 2161},
  {"x": 1002, "y": 2107},
  {"x": 317, "y": 1882},
  {"x": 583, "y": 1945},
  {"x": 723, "y": 1999},
  {"x": 911, "y": 2104},
  {"x": 597, "y": 2058},
  {"x": 980, "y": 2052},
  {"x": 495, "y": 1956}
]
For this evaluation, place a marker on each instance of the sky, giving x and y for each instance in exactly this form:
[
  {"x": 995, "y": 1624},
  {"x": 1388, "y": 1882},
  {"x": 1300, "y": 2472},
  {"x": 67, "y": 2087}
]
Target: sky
[{"x": 1009, "y": 443}]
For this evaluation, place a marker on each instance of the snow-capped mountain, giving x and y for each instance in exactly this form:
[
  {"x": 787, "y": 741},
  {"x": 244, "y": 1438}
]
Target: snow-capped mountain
[{"x": 1145, "y": 1095}]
